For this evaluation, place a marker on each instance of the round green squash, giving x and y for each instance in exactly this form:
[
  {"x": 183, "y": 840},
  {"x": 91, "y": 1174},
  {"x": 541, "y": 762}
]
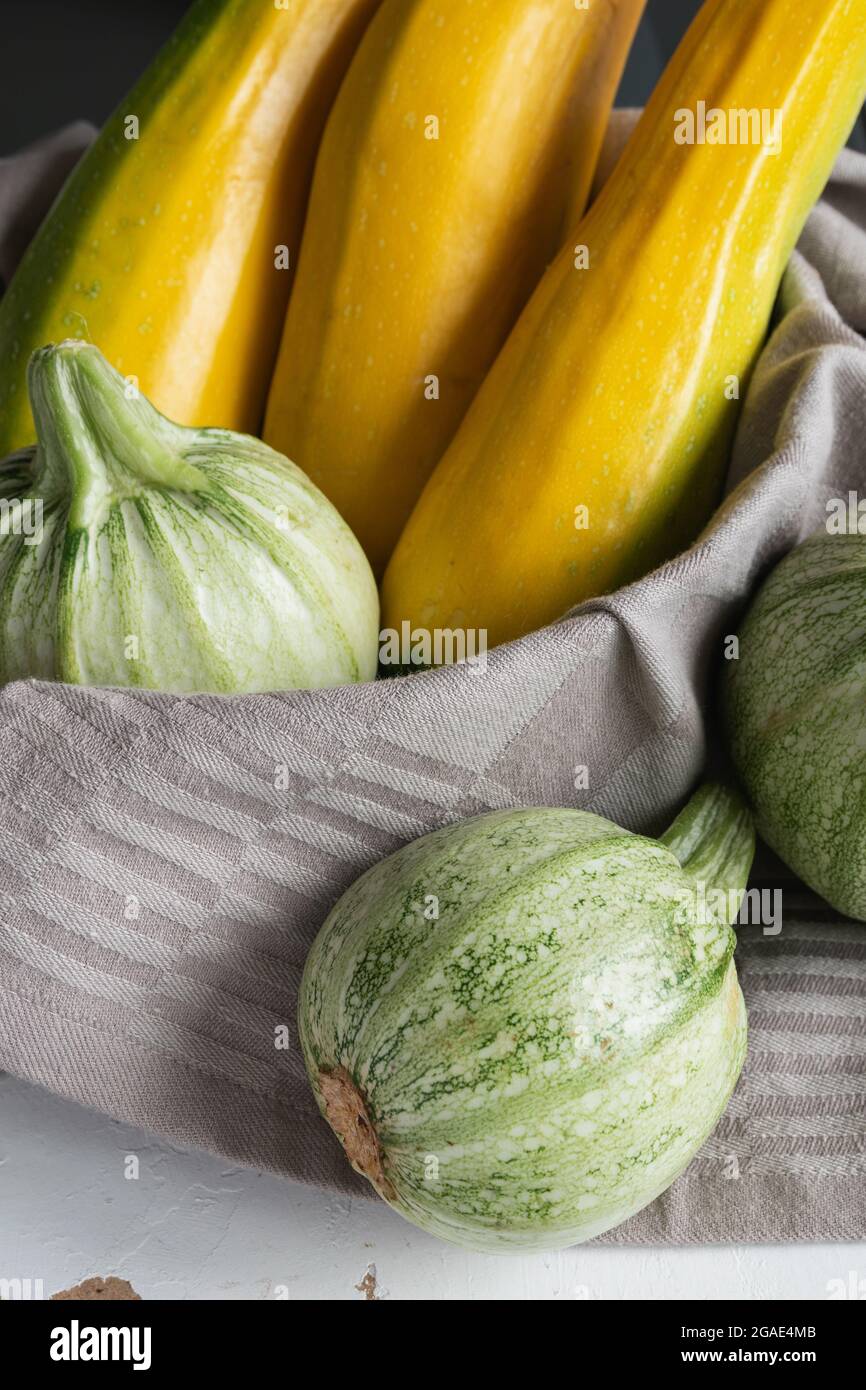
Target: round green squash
[
  {"x": 522, "y": 1027},
  {"x": 795, "y": 709},
  {"x": 136, "y": 552}
]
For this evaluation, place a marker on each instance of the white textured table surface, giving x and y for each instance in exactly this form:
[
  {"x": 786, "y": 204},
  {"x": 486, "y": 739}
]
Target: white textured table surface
[{"x": 191, "y": 1226}]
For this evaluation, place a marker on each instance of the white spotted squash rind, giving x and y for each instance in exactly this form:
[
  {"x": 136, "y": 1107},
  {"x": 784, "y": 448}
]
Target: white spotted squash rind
[
  {"x": 537, "y": 1037},
  {"x": 795, "y": 703}
]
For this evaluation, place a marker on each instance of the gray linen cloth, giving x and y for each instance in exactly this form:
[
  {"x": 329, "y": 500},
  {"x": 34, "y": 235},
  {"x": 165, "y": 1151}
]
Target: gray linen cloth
[{"x": 165, "y": 862}]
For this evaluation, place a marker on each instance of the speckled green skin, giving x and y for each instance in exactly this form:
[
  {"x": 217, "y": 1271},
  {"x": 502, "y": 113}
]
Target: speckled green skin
[
  {"x": 796, "y": 715},
  {"x": 173, "y": 559},
  {"x": 545, "y": 1056}
]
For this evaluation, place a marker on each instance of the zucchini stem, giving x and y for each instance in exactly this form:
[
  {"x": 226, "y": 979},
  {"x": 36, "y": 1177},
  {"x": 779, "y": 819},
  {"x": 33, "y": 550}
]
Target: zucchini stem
[
  {"x": 95, "y": 428},
  {"x": 713, "y": 838}
]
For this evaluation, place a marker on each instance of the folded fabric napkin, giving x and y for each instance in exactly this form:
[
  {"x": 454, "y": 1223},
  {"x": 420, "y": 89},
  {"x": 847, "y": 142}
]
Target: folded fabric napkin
[{"x": 165, "y": 862}]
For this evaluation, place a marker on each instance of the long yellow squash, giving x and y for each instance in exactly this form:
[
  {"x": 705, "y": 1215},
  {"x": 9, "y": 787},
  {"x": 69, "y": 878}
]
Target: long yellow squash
[
  {"x": 462, "y": 132},
  {"x": 598, "y": 443},
  {"x": 162, "y": 248}
]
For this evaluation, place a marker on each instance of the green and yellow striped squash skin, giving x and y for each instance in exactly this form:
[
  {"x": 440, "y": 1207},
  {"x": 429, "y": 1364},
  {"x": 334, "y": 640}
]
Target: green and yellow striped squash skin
[
  {"x": 544, "y": 1056},
  {"x": 162, "y": 248},
  {"x": 795, "y": 704},
  {"x": 170, "y": 558}
]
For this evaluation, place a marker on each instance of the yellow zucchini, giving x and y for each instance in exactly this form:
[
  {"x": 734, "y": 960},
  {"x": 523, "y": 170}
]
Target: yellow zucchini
[
  {"x": 598, "y": 444},
  {"x": 162, "y": 248},
  {"x": 463, "y": 131}
]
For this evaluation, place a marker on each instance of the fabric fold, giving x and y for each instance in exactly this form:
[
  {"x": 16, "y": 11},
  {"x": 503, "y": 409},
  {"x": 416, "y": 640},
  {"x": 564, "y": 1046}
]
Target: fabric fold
[{"x": 165, "y": 862}]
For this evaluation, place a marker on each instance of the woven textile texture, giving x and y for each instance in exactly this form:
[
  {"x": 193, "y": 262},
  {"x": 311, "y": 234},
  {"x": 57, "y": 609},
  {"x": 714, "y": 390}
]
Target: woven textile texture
[{"x": 165, "y": 862}]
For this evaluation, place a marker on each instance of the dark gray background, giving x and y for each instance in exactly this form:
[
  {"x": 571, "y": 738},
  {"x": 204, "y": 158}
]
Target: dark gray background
[{"x": 63, "y": 59}]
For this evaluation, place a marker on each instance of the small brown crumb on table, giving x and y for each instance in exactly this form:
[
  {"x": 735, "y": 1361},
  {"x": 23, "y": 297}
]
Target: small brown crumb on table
[
  {"x": 368, "y": 1285},
  {"x": 98, "y": 1288}
]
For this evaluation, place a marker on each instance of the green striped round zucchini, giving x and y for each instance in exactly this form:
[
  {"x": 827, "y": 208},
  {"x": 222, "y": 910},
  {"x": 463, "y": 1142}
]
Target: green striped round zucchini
[
  {"x": 137, "y": 552},
  {"x": 795, "y": 705},
  {"x": 523, "y": 1026}
]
